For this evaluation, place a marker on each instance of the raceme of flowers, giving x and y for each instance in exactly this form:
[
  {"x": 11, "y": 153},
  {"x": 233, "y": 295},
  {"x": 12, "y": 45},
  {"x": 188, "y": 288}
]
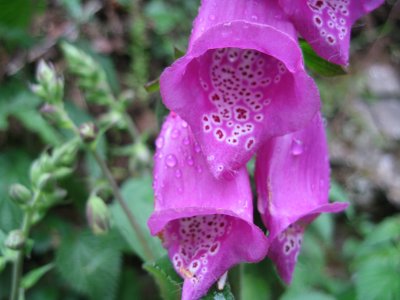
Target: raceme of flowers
[{"x": 242, "y": 90}]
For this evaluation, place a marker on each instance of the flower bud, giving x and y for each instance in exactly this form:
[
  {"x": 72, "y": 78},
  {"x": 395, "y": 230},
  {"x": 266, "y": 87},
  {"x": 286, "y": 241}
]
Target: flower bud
[
  {"x": 65, "y": 154},
  {"x": 45, "y": 71},
  {"x": 50, "y": 86},
  {"x": 44, "y": 181},
  {"x": 97, "y": 215},
  {"x": 19, "y": 193},
  {"x": 141, "y": 152},
  {"x": 15, "y": 240},
  {"x": 62, "y": 172},
  {"x": 88, "y": 132}
]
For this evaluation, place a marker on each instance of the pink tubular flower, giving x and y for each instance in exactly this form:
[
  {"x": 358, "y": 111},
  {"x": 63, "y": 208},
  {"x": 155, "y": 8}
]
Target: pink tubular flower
[
  {"x": 241, "y": 82},
  {"x": 292, "y": 178},
  {"x": 205, "y": 224},
  {"x": 326, "y": 24}
]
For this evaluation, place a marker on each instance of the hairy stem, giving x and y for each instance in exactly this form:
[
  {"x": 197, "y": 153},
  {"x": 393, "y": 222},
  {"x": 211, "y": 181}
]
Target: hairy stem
[
  {"x": 19, "y": 262},
  {"x": 117, "y": 194}
]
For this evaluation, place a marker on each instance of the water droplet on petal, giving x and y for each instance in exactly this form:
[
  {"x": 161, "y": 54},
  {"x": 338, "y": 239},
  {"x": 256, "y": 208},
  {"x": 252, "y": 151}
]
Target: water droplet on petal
[
  {"x": 186, "y": 140},
  {"x": 175, "y": 133},
  {"x": 189, "y": 160},
  {"x": 297, "y": 147},
  {"x": 159, "y": 142},
  {"x": 184, "y": 124},
  {"x": 171, "y": 161},
  {"x": 178, "y": 173},
  {"x": 197, "y": 148},
  {"x": 254, "y": 18}
]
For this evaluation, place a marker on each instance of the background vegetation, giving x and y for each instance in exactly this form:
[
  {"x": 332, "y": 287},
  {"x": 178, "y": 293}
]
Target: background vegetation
[{"x": 106, "y": 52}]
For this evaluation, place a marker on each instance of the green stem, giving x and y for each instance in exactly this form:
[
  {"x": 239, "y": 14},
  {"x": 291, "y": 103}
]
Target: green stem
[
  {"x": 19, "y": 262},
  {"x": 148, "y": 253},
  {"x": 135, "y": 226},
  {"x": 236, "y": 280},
  {"x": 133, "y": 131}
]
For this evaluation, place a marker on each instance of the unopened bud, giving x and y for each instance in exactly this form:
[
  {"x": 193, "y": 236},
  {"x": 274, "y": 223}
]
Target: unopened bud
[
  {"x": 48, "y": 109},
  {"x": 88, "y": 132},
  {"x": 15, "y": 240},
  {"x": 97, "y": 215},
  {"x": 44, "y": 181},
  {"x": 66, "y": 154},
  {"x": 141, "y": 152},
  {"x": 45, "y": 71},
  {"x": 50, "y": 86},
  {"x": 20, "y": 194},
  {"x": 62, "y": 172}
]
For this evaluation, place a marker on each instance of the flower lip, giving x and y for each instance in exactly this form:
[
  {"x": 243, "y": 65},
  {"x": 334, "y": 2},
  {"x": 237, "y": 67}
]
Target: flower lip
[
  {"x": 233, "y": 94},
  {"x": 326, "y": 24},
  {"x": 198, "y": 217}
]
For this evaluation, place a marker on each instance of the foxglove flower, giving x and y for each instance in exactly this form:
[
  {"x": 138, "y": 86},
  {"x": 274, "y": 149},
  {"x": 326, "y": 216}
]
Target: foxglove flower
[
  {"x": 241, "y": 81},
  {"x": 205, "y": 224},
  {"x": 292, "y": 178},
  {"x": 326, "y": 24}
]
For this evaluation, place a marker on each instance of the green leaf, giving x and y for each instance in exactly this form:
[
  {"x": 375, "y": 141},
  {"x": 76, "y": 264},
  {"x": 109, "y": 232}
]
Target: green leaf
[
  {"x": 90, "y": 265},
  {"x": 164, "y": 17},
  {"x": 385, "y": 234},
  {"x": 377, "y": 265},
  {"x": 138, "y": 195},
  {"x": 31, "y": 278},
  {"x": 215, "y": 294},
  {"x": 161, "y": 111},
  {"x": 152, "y": 86},
  {"x": 307, "y": 295},
  {"x": 166, "y": 278},
  {"x": 323, "y": 226},
  {"x": 379, "y": 279},
  {"x": 14, "y": 168},
  {"x": 319, "y": 65},
  {"x": 18, "y": 13},
  {"x": 178, "y": 53},
  {"x": 16, "y": 100}
]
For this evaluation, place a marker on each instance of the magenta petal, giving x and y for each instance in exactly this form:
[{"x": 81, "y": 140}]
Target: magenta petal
[
  {"x": 241, "y": 82},
  {"x": 326, "y": 24},
  {"x": 292, "y": 178},
  {"x": 205, "y": 224}
]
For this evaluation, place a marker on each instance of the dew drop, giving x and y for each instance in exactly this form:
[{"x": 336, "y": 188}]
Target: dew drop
[
  {"x": 189, "y": 160},
  {"x": 297, "y": 147},
  {"x": 186, "y": 140},
  {"x": 159, "y": 142},
  {"x": 171, "y": 161},
  {"x": 178, "y": 173},
  {"x": 175, "y": 133},
  {"x": 197, "y": 148},
  {"x": 184, "y": 124}
]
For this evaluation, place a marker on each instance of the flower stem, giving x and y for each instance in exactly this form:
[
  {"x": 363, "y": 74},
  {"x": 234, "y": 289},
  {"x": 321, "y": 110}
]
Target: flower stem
[
  {"x": 19, "y": 262},
  {"x": 133, "y": 131},
  {"x": 117, "y": 194},
  {"x": 236, "y": 280}
]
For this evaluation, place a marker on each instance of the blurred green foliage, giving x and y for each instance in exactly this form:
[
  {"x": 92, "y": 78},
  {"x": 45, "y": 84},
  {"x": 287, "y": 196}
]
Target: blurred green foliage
[{"x": 343, "y": 257}]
